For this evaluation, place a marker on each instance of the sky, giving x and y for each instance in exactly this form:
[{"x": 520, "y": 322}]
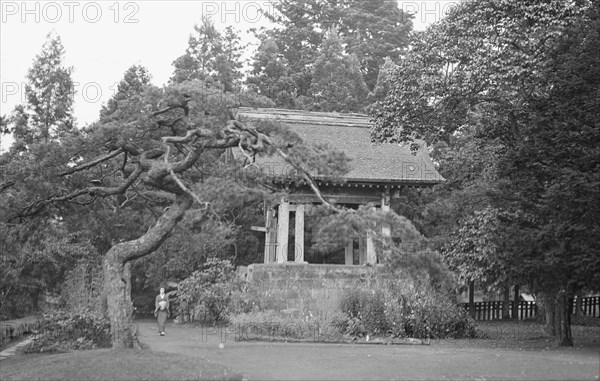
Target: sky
[{"x": 104, "y": 38}]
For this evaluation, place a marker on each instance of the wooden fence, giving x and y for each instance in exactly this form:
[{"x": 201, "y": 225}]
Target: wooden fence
[{"x": 590, "y": 306}]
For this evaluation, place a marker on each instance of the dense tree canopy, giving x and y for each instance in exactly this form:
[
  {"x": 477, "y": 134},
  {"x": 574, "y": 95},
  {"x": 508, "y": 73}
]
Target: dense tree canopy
[
  {"x": 517, "y": 82},
  {"x": 211, "y": 56},
  {"x": 371, "y": 31},
  {"x": 337, "y": 83},
  {"x": 506, "y": 93},
  {"x": 132, "y": 84}
]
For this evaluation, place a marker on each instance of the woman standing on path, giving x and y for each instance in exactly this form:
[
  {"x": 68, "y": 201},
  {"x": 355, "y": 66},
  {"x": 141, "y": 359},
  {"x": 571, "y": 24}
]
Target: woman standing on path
[{"x": 161, "y": 311}]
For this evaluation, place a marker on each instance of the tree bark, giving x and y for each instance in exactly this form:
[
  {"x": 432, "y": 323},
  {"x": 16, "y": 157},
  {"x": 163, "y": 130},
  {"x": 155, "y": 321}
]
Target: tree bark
[
  {"x": 117, "y": 275},
  {"x": 506, "y": 303},
  {"x": 549, "y": 307},
  {"x": 579, "y": 303},
  {"x": 558, "y": 317},
  {"x": 117, "y": 282},
  {"x": 563, "y": 320},
  {"x": 472, "y": 299},
  {"x": 515, "y": 311}
]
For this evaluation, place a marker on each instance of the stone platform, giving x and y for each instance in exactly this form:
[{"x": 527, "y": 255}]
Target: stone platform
[{"x": 310, "y": 288}]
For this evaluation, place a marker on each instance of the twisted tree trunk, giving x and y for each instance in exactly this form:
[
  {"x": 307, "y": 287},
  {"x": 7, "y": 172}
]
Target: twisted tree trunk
[{"x": 117, "y": 274}]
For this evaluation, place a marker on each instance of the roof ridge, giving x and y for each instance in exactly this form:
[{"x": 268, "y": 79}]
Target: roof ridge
[
  {"x": 306, "y": 117},
  {"x": 305, "y": 112}
]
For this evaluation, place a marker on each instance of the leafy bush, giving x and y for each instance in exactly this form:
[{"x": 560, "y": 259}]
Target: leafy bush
[
  {"x": 244, "y": 300},
  {"x": 83, "y": 289},
  {"x": 210, "y": 288},
  {"x": 435, "y": 316},
  {"x": 65, "y": 331},
  {"x": 420, "y": 314},
  {"x": 366, "y": 312}
]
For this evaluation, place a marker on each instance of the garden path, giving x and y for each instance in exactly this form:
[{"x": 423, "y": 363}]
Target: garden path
[{"x": 447, "y": 359}]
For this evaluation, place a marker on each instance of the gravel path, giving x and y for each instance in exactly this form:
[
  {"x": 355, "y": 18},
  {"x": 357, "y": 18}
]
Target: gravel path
[{"x": 442, "y": 360}]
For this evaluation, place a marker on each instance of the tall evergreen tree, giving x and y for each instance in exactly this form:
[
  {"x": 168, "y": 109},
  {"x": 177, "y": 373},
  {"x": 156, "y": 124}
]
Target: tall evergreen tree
[
  {"x": 337, "y": 83},
  {"x": 372, "y": 30},
  {"x": 211, "y": 57},
  {"x": 198, "y": 62},
  {"x": 133, "y": 83},
  {"x": 48, "y": 112},
  {"x": 270, "y": 75},
  {"x": 228, "y": 64}
]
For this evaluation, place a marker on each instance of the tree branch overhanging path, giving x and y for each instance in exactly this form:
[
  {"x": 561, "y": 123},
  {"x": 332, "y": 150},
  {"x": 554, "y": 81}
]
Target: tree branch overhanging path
[{"x": 159, "y": 168}]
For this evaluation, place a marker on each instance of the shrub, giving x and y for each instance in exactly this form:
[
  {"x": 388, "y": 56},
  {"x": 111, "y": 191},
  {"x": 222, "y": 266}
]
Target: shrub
[
  {"x": 83, "y": 290},
  {"x": 245, "y": 301},
  {"x": 64, "y": 331},
  {"x": 210, "y": 288},
  {"x": 424, "y": 313},
  {"x": 434, "y": 315},
  {"x": 366, "y": 312},
  {"x": 274, "y": 326}
]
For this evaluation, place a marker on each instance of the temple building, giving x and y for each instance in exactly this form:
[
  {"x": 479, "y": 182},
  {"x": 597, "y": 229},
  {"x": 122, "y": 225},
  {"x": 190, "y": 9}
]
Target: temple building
[{"x": 379, "y": 173}]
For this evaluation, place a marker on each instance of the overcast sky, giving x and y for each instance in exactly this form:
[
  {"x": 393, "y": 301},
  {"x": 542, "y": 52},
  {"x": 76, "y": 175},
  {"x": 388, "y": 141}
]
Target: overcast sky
[{"x": 104, "y": 38}]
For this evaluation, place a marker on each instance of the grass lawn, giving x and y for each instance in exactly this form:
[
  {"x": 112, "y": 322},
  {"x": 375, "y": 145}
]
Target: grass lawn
[{"x": 108, "y": 364}]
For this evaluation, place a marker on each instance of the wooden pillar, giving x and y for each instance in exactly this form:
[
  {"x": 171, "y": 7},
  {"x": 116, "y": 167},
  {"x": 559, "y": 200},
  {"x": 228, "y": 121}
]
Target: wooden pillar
[
  {"x": 362, "y": 251},
  {"x": 299, "y": 247},
  {"x": 272, "y": 234},
  {"x": 386, "y": 230},
  {"x": 268, "y": 244},
  {"x": 371, "y": 254},
  {"x": 385, "y": 202},
  {"x": 283, "y": 223},
  {"x": 349, "y": 251}
]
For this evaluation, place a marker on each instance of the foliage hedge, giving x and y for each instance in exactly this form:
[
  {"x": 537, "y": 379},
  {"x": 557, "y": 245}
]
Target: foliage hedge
[
  {"x": 210, "y": 289},
  {"x": 272, "y": 325},
  {"x": 64, "y": 331},
  {"x": 420, "y": 314},
  {"x": 384, "y": 310}
]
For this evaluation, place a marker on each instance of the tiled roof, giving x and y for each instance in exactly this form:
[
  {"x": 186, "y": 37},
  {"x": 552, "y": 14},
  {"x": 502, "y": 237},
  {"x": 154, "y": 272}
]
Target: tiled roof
[{"x": 370, "y": 162}]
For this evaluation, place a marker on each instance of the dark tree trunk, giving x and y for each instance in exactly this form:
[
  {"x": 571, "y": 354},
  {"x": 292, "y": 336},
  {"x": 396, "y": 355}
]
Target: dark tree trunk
[
  {"x": 117, "y": 276},
  {"x": 506, "y": 303},
  {"x": 515, "y": 310},
  {"x": 558, "y": 317},
  {"x": 579, "y": 303},
  {"x": 117, "y": 282},
  {"x": 472, "y": 299},
  {"x": 549, "y": 309},
  {"x": 563, "y": 320}
]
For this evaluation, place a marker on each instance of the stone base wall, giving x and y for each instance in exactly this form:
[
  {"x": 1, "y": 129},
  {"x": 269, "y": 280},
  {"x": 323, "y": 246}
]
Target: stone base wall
[{"x": 302, "y": 288}]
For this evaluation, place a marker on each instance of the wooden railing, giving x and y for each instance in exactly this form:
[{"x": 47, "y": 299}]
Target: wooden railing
[{"x": 590, "y": 306}]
